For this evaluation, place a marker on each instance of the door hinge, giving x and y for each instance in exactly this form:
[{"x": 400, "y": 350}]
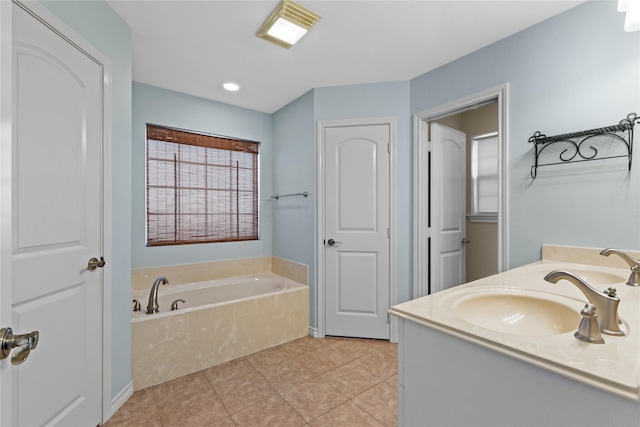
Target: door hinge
[
  {"x": 389, "y": 233},
  {"x": 429, "y": 145},
  {"x": 388, "y": 147},
  {"x": 388, "y": 318},
  {"x": 429, "y": 233}
]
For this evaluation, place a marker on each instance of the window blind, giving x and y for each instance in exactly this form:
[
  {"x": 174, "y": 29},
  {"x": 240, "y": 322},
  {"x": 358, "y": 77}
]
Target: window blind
[{"x": 200, "y": 188}]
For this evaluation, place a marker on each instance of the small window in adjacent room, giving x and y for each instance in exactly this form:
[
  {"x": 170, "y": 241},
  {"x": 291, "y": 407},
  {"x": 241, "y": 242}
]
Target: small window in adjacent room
[
  {"x": 200, "y": 188},
  {"x": 484, "y": 178}
]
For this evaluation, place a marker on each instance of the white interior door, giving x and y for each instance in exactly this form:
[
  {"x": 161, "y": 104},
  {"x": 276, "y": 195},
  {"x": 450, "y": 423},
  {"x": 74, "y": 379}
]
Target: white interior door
[
  {"x": 448, "y": 207},
  {"x": 51, "y": 227},
  {"x": 357, "y": 219}
]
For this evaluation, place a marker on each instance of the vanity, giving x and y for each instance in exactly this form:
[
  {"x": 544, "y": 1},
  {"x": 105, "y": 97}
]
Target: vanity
[{"x": 501, "y": 351}]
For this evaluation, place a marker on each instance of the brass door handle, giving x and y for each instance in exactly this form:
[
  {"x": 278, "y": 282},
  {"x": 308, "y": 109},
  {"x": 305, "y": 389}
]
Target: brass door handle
[
  {"x": 95, "y": 263},
  {"x": 23, "y": 344}
]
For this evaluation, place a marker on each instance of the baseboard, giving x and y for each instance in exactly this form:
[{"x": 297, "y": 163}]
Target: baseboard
[
  {"x": 121, "y": 398},
  {"x": 314, "y": 332}
]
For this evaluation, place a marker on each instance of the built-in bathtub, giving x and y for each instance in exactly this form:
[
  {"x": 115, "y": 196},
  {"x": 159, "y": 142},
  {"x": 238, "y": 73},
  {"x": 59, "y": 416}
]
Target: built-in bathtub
[{"x": 220, "y": 320}]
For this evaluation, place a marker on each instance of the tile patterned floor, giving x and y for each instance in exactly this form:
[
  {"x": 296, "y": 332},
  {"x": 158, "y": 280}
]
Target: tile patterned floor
[{"x": 306, "y": 382}]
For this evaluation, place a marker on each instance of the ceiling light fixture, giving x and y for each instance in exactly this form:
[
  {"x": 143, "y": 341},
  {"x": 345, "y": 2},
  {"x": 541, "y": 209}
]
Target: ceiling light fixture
[
  {"x": 287, "y": 24},
  {"x": 632, "y": 18},
  {"x": 231, "y": 86}
]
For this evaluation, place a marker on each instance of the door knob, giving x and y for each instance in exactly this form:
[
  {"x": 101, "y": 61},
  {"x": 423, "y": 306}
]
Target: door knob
[
  {"x": 95, "y": 263},
  {"x": 332, "y": 242},
  {"x": 464, "y": 241},
  {"x": 23, "y": 344}
]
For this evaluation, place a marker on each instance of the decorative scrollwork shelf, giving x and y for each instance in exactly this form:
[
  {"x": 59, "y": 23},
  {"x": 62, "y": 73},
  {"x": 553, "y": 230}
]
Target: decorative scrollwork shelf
[{"x": 580, "y": 151}]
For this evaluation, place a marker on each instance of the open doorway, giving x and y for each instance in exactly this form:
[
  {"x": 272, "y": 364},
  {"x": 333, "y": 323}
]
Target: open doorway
[
  {"x": 481, "y": 248},
  {"x": 480, "y": 125}
]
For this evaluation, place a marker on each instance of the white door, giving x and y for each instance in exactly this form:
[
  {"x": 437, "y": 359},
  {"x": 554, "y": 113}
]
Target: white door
[
  {"x": 356, "y": 213},
  {"x": 51, "y": 227},
  {"x": 448, "y": 207}
]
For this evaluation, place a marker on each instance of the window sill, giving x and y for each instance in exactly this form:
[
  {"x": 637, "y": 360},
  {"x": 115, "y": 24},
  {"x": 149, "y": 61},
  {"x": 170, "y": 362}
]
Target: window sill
[{"x": 483, "y": 217}]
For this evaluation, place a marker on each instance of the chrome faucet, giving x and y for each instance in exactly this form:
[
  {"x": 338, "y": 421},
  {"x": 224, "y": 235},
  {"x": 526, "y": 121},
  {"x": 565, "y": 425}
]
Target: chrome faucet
[
  {"x": 634, "y": 264},
  {"x": 152, "y": 307},
  {"x": 606, "y": 302}
]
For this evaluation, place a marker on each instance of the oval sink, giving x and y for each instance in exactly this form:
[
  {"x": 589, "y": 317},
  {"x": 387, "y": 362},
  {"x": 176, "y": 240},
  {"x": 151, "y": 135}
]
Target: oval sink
[{"x": 518, "y": 314}]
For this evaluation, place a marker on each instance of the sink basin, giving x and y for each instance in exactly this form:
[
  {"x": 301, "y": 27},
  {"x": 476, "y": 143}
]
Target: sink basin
[{"x": 518, "y": 314}]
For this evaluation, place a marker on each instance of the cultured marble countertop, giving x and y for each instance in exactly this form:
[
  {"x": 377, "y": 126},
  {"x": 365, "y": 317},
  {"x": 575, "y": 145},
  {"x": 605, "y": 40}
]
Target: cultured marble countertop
[{"x": 613, "y": 367}]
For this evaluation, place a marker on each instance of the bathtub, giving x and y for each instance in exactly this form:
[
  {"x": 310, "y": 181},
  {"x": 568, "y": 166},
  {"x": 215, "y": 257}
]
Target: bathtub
[{"x": 220, "y": 320}]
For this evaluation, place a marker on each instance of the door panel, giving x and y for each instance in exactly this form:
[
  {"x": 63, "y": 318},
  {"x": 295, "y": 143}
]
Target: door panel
[
  {"x": 357, "y": 216},
  {"x": 448, "y": 189},
  {"x": 56, "y": 209}
]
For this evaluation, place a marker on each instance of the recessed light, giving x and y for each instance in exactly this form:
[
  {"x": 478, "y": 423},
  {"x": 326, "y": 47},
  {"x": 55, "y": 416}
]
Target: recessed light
[{"x": 231, "y": 86}]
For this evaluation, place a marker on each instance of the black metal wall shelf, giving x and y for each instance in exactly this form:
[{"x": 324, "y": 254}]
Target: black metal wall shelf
[{"x": 580, "y": 151}]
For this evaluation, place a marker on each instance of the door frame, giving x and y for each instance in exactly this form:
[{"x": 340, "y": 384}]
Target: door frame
[
  {"x": 421, "y": 182},
  {"x": 49, "y": 19},
  {"x": 321, "y": 125}
]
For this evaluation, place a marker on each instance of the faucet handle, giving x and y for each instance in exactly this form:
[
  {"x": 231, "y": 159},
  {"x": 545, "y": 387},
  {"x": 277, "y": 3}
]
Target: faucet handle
[
  {"x": 611, "y": 291},
  {"x": 588, "y": 330},
  {"x": 136, "y": 305}
]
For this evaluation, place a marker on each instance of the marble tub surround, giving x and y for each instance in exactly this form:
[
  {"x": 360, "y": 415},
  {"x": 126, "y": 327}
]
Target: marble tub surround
[
  {"x": 613, "y": 367},
  {"x": 169, "y": 345},
  {"x": 142, "y": 278}
]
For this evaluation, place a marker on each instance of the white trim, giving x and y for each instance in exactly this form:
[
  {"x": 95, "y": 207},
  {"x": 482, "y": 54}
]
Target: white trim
[
  {"x": 313, "y": 332},
  {"x": 421, "y": 180},
  {"x": 483, "y": 217},
  {"x": 6, "y": 157},
  {"x": 120, "y": 399},
  {"x": 65, "y": 31},
  {"x": 393, "y": 283}
]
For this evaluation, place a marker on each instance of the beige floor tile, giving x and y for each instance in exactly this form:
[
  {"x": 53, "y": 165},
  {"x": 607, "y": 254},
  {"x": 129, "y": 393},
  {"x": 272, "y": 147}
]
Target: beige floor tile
[
  {"x": 392, "y": 381},
  {"x": 265, "y": 359},
  {"x": 271, "y": 412},
  {"x": 380, "y": 364},
  {"x": 323, "y": 360},
  {"x": 288, "y": 374},
  {"x": 152, "y": 420},
  {"x": 180, "y": 388},
  {"x": 304, "y": 345},
  {"x": 245, "y": 391},
  {"x": 229, "y": 370},
  {"x": 224, "y": 422},
  {"x": 352, "y": 348},
  {"x": 313, "y": 398},
  {"x": 347, "y": 414},
  {"x": 350, "y": 379},
  {"x": 196, "y": 409},
  {"x": 140, "y": 406},
  {"x": 381, "y": 402}
]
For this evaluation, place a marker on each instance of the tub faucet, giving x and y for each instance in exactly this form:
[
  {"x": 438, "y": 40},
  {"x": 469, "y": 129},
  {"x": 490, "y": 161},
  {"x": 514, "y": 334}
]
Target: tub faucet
[
  {"x": 152, "y": 307},
  {"x": 634, "y": 264},
  {"x": 606, "y": 302}
]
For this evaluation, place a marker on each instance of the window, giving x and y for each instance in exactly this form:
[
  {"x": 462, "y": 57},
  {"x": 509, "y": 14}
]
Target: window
[
  {"x": 484, "y": 178},
  {"x": 200, "y": 188}
]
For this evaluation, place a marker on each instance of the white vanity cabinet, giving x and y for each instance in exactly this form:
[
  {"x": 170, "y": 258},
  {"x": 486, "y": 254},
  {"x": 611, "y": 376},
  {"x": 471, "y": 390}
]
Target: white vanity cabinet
[{"x": 447, "y": 381}]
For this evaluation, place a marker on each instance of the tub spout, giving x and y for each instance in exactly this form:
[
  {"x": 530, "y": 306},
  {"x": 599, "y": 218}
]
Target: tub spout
[
  {"x": 606, "y": 302},
  {"x": 634, "y": 265},
  {"x": 152, "y": 307}
]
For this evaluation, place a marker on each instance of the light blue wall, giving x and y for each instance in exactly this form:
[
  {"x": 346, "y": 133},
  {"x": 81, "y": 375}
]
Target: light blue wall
[
  {"x": 294, "y": 171},
  {"x": 576, "y": 71},
  {"x": 295, "y": 219},
  {"x": 167, "y": 108},
  {"x": 389, "y": 99},
  {"x": 106, "y": 31}
]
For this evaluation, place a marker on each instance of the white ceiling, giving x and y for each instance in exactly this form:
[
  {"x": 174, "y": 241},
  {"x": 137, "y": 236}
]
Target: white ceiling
[{"x": 194, "y": 46}]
